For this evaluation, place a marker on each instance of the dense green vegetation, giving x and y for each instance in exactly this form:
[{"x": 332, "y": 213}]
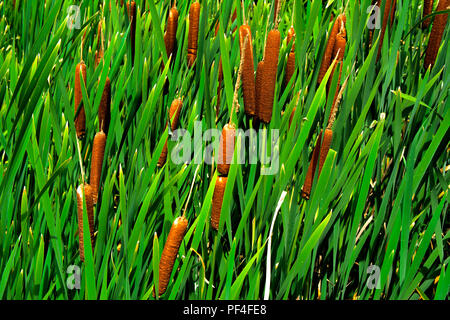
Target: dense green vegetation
[{"x": 381, "y": 199}]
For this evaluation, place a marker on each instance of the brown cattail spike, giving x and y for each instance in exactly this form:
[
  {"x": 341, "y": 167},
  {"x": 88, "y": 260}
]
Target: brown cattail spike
[
  {"x": 427, "y": 9},
  {"x": 324, "y": 148},
  {"x": 104, "y": 110},
  {"x": 98, "y": 152},
  {"x": 338, "y": 53},
  {"x": 258, "y": 87},
  {"x": 248, "y": 71},
  {"x": 80, "y": 120},
  {"x": 307, "y": 186},
  {"x": 171, "y": 31},
  {"x": 131, "y": 9},
  {"x": 328, "y": 54},
  {"x": 226, "y": 148},
  {"x": 174, "y": 116},
  {"x": 437, "y": 31},
  {"x": 290, "y": 68},
  {"x": 86, "y": 189},
  {"x": 170, "y": 251},
  {"x": 194, "y": 16},
  {"x": 319, "y": 155},
  {"x": 217, "y": 201},
  {"x": 269, "y": 76}
]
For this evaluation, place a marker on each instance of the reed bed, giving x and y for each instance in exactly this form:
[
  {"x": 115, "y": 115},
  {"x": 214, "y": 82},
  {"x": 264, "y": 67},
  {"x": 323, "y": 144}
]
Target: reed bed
[{"x": 353, "y": 178}]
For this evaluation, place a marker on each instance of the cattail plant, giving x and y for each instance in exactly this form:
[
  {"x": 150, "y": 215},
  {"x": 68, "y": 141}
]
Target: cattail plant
[
  {"x": 325, "y": 147},
  {"x": 217, "y": 201},
  {"x": 328, "y": 54},
  {"x": 88, "y": 204},
  {"x": 290, "y": 64},
  {"x": 226, "y": 148},
  {"x": 98, "y": 153},
  {"x": 437, "y": 31},
  {"x": 226, "y": 143},
  {"x": 427, "y": 9},
  {"x": 170, "y": 252},
  {"x": 338, "y": 54},
  {"x": 171, "y": 31},
  {"x": 307, "y": 186},
  {"x": 194, "y": 17},
  {"x": 80, "y": 119},
  {"x": 104, "y": 109},
  {"x": 248, "y": 72},
  {"x": 131, "y": 9},
  {"x": 174, "y": 116},
  {"x": 258, "y": 86},
  {"x": 322, "y": 147},
  {"x": 269, "y": 73},
  {"x": 269, "y": 76}
]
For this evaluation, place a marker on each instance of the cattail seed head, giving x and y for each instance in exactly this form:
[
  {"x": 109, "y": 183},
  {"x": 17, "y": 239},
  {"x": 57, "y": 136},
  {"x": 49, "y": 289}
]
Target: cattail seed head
[
  {"x": 90, "y": 212},
  {"x": 338, "y": 53},
  {"x": 269, "y": 76},
  {"x": 171, "y": 31},
  {"x": 328, "y": 54},
  {"x": 98, "y": 152},
  {"x": 170, "y": 251},
  {"x": 80, "y": 120},
  {"x": 248, "y": 71},
  {"x": 258, "y": 87},
  {"x": 194, "y": 17},
  {"x": 290, "y": 68},
  {"x": 324, "y": 148},
  {"x": 217, "y": 201},
  {"x": 174, "y": 112},
  {"x": 226, "y": 148},
  {"x": 427, "y": 9},
  {"x": 307, "y": 186},
  {"x": 174, "y": 116},
  {"x": 437, "y": 31},
  {"x": 104, "y": 110}
]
